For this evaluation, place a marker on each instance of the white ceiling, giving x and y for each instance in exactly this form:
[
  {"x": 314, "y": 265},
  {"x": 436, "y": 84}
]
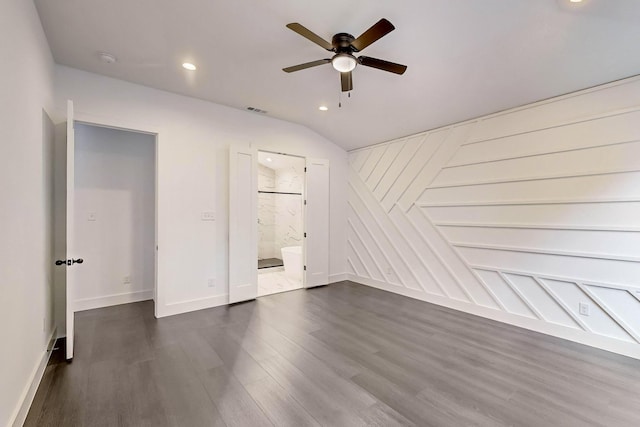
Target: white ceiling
[{"x": 466, "y": 58}]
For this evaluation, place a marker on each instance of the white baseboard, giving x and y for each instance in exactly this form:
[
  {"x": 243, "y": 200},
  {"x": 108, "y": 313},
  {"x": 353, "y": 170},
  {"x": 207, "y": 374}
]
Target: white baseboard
[
  {"x": 115, "y": 299},
  {"x": 26, "y": 399},
  {"x": 339, "y": 277},
  {"x": 192, "y": 305},
  {"x": 570, "y": 334}
]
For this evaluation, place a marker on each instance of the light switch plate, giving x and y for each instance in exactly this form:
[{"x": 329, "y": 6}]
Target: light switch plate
[{"x": 208, "y": 216}]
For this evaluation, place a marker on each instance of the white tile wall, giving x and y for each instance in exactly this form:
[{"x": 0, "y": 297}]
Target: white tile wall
[{"x": 280, "y": 221}]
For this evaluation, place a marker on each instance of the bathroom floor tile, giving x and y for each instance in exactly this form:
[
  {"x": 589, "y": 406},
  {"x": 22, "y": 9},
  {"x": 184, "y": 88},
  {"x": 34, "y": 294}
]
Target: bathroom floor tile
[{"x": 272, "y": 283}]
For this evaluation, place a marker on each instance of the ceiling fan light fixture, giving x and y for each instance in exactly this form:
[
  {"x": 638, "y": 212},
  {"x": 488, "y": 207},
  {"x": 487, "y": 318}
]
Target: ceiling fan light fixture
[{"x": 344, "y": 62}]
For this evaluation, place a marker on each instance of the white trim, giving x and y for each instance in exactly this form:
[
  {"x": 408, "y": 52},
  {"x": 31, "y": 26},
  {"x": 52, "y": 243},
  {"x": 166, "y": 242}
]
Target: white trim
[
  {"x": 611, "y": 313},
  {"x": 580, "y": 92},
  {"x": 570, "y": 122},
  {"x": 607, "y": 257},
  {"x": 537, "y": 154},
  {"x": 532, "y": 178},
  {"x": 568, "y": 227},
  {"x": 617, "y": 286},
  {"x": 338, "y": 277},
  {"x": 560, "y": 331},
  {"x": 187, "y": 306},
  {"x": 115, "y": 299},
  {"x": 26, "y": 398},
  {"x": 423, "y": 204}
]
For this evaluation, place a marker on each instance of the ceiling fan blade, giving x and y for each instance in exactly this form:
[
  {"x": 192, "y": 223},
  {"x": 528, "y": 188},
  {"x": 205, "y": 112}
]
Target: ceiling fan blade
[
  {"x": 347, "y": 81},
  {"x": 308, "y": 34},
  {"x": 383, "y": 65},
  {"x": 376, "y": 32},
  {"x": 305, "y": 65}
]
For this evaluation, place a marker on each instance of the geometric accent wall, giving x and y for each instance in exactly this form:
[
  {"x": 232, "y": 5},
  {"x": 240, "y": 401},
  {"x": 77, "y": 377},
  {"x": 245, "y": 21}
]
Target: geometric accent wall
[{"x": 520, "y": 216}]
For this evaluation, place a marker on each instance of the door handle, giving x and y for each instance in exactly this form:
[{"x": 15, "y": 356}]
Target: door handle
[{"x": 69, "y": 261}]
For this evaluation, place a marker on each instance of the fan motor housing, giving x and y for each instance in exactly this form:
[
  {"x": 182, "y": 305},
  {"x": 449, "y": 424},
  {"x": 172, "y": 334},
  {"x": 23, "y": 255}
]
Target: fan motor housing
[{"x": 342, "y": 43}]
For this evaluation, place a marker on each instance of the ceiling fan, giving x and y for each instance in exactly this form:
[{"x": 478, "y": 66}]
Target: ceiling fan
[{"x": 344, "y": 46}]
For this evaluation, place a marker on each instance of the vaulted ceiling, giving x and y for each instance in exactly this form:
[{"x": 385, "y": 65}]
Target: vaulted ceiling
[{"x": 466, "y": 58}]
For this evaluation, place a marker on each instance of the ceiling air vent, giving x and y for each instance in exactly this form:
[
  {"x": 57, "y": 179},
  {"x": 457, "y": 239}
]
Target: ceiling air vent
[{"x": 256, "y": 110}]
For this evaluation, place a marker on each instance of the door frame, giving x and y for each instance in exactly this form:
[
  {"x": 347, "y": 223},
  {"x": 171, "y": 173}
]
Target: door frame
[
  {"x": 125, "y": 125},
  {"x": 304, "y": 198}
]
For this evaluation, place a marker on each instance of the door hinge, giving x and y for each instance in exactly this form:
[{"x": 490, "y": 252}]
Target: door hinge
[
  {"x": 305, "y": 202},
  {"x": 305, "y": 268},
  {"x": 305, "y": 234},
  {"x": 305, "y": 169}
]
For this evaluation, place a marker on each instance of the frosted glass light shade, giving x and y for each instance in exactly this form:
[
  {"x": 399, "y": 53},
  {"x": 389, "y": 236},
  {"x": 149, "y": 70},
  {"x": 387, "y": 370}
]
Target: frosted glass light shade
[{"x": 343, "y": 62}]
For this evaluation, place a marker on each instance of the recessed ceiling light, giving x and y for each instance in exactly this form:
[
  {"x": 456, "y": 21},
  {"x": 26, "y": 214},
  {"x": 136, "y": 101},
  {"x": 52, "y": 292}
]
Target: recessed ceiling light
[
  {"x": 107, "y": 58},
  {"x": 323, "y": 108},
  {"x": 575, "y": 1},
  {"x": 268, "y": 159},
  {"x": 189, "y": 66}
]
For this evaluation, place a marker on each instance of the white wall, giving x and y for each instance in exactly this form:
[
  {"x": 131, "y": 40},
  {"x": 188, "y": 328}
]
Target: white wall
[
  {"x": 193, "y": 142},
  {"x": 26, "y": 136},
  {"x": 114, "y": 216},
  {"x": 266, "y": 213},
  {"x": 288, "y": 213},
  {"x": 519, "y": 216}
]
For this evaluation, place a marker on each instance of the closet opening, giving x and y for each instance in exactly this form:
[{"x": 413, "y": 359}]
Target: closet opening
[{"x": 114, "y": 216}]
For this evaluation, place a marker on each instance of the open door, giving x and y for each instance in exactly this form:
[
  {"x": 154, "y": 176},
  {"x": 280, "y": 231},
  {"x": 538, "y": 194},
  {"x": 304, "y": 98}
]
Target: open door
[
  {"x": 65, "y": 218},
  {"x": 317, "y": 223},
  {"x": 243, "y": 224}
]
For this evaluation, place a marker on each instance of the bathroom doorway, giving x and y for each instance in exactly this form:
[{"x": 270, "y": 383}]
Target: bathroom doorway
[{"x": 281, "y": 186}]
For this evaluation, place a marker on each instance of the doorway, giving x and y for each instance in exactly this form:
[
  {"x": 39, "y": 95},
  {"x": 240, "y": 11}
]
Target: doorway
[
  {"x": 243, "y": 222},
  {"x": 281, "y": 184},
  {"x": 108, "y": 218},
  {"x": 114, "y": 216}
]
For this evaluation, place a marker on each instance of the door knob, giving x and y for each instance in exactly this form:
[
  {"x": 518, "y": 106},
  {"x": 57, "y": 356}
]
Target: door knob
[{"x": 69, "y": 261}]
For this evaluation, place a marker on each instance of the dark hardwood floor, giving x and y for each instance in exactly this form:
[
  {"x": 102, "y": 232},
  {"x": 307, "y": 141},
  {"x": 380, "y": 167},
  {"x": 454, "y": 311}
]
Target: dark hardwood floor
[{"x": 343, "y": 354}]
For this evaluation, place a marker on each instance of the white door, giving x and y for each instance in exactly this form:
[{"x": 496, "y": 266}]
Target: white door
[
  {"x": 66, "y": 194},
  {"x": 243, "y": 224},
  {"x": 317, "y": 223}
]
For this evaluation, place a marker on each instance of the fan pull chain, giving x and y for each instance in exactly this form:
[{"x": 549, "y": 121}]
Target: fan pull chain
[{"x": 340, "y": 98}]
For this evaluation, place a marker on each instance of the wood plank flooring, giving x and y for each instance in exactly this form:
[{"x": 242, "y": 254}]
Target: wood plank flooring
[{"x": 340, "y": 355}]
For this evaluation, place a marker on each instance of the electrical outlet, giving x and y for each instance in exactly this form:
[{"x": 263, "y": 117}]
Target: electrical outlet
[
  {"x": 211, "y": 283},
  {"x": 208, "y": 216},
  {"x": 584, "y": 308},
  {"x": 91, "y": 216},
  {"x": 126, "y": 280}
]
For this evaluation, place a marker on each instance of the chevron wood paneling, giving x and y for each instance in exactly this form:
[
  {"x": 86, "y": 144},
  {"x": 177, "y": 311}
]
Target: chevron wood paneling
[{"x": 520, "y": 216}]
